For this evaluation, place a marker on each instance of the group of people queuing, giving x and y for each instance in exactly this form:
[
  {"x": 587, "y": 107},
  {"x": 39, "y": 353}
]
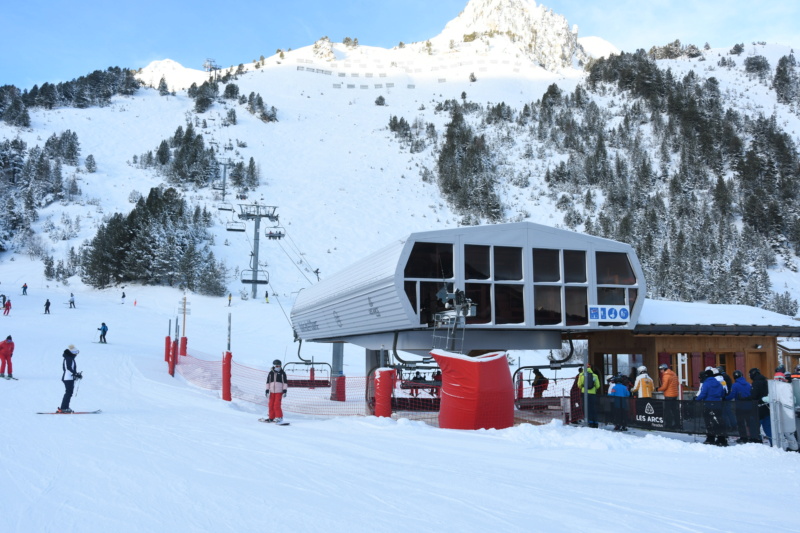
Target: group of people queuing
[{"x": 730, "y": 402}]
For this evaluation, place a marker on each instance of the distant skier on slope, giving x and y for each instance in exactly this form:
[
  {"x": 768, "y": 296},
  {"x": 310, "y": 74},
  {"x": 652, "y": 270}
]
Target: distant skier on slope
[
  {"x": 277, "y": 385},
  {"x": 103, "y": 329},
  {"x": 68, "y": 376},
  {"x": 7, "y": 307}
]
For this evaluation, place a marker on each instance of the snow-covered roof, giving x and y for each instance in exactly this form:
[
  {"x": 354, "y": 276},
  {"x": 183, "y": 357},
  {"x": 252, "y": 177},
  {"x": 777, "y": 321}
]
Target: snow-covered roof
[{"x": 663, "y": 312}]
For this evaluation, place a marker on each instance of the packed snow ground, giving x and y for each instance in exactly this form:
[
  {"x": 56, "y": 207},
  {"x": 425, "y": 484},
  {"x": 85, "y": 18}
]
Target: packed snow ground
[{"x": 166, "y": 456}]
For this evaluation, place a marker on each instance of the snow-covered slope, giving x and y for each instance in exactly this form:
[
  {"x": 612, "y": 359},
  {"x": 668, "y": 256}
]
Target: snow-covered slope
[
  {"x": 597, "y": 47},
  {"x": 166, "y": 456}
]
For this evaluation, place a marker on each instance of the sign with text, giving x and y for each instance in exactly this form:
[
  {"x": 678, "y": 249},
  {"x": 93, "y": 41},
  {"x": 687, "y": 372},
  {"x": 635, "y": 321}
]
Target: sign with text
[
  {"x": 609, "y": 313},
  {"x": 649, "y": 413}
]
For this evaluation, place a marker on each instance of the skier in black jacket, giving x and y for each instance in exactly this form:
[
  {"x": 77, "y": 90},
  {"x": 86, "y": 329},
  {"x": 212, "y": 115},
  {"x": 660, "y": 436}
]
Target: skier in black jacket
[
  {"x": 68, "y": 376},
  {"x": 759, "y": 392}
]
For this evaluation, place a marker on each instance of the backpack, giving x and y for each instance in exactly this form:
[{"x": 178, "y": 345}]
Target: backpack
[{"x": 589, "y": 380}]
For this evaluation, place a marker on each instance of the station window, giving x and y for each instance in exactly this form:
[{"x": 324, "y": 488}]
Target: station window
[
  {"x": 546, "y": 265},
  {"x": 481, "y": 296},
  {"x": 547, "y": 301},
  {"x": 411, "y": 293},
  {"x": 429, "y": 302},
  {"x": 430, "y": 260},
  {"x": 476, "y": 261},
  {"x": 574, "y": 266},
  {"x": 509, "y": 304},
  {"x": 614, "y": 268},
  {"x": 507, "y": 263},
  {"x": 577, "y": 306},
  {"x": 610, "y": 296}
]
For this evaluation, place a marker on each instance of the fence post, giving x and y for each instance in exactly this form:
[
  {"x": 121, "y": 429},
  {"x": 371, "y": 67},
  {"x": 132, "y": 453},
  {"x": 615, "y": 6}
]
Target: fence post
[
  {"x": 173, "y": 358},
  {"x": 311, "y": 375},
  {"x": 167, "y": 344},
  {"x": 226, "y": 376},
  {"x": 519, "y": 386},
  {"x": 183, "y": 345},
  {"x": 338, "y": 389},
  {"x": 384, "y": 385}
]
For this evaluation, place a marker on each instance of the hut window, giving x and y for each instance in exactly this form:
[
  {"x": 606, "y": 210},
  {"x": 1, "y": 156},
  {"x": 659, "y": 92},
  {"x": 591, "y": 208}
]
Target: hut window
[
  {"x": 507, "y": 263},
  {"x": 614, "y": 269},
  {"x": 476, "y": 262},
  {"x": 574, "y": 266},
  {"x": 546, "y": 265},
  {"x": 430, "y": 260}
]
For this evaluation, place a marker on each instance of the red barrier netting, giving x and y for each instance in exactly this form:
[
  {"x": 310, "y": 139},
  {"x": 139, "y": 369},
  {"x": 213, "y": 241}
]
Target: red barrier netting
[
  {"x": 411, "y": 399},
  {"x": 205, "y": 374},
  {"x": 305, "y": 396}
]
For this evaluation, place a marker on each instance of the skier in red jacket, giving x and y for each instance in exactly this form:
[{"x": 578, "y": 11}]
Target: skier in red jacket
[{"x": 6, "y": 351}]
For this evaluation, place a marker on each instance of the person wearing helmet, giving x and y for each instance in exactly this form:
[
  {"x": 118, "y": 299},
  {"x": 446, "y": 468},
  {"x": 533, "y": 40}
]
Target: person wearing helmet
[
  {"x": 540, "y": 383},
  {"x": 644, "y": 384},
  {"x": 760, "y": 395},
  {"x": 277, "y": 384},
  {"x": 669, "y": 386},
  {"x": 746, "y": 420},
  {"x": 620, "y": 393},
  {"x": 589, "y": 382},
  {"x": 727, "y": 410},
  {"x": 712, "y": 394},
  {"x": 796, "y": 374},
  {"x": 780, "y": 374},
  {"x": 68, "y": 376}
]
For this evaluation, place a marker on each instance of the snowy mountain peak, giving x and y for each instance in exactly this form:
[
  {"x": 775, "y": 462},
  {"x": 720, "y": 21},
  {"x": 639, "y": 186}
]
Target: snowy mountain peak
[{"x": 533, "y": 30}]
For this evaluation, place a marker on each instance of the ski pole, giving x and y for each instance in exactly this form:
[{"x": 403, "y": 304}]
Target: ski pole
[{"x": 77, "y": 386}]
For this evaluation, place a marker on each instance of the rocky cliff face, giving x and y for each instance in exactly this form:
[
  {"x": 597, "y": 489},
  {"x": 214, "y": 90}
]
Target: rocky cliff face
[{"x": 522, "y": 26}]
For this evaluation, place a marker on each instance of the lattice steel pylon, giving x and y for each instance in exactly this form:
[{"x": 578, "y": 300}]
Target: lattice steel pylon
[{"x": 256, "y": 212}]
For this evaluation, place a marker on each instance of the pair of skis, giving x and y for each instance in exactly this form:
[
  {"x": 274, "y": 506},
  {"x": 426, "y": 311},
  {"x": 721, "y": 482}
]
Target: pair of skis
[
  {"x": 72, "y": 413},
  {"x": 268, "y": 421}
]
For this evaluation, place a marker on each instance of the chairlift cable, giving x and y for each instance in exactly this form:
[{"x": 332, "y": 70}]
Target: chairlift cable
[
  {"x": 279, "y": 303},
  {"x": 295, "y": 264},
  {"x": 300, "y": 253}
]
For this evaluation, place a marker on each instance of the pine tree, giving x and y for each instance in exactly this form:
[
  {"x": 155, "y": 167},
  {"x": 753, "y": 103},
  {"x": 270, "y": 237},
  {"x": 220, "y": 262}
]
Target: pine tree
[
  {"x": 163, "y": 90},
  {"x": 91, "y": 165}
]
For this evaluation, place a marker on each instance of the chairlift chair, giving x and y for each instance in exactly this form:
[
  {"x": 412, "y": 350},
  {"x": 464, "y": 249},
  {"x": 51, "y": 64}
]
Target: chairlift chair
[
  {"x": 235, "y": 226},
  {"x": 225, "y": 206},
  {"x": 275, "y": 232},
  {"x": 259, "y": 277}
]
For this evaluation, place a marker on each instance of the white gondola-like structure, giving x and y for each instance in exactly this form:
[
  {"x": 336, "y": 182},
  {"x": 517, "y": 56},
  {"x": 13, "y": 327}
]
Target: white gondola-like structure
[{"x": 528, "y": 284}]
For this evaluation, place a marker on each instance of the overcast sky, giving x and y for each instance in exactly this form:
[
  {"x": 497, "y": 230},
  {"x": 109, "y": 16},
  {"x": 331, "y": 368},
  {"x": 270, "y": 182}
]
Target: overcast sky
[{"x": 54, "y": 40}]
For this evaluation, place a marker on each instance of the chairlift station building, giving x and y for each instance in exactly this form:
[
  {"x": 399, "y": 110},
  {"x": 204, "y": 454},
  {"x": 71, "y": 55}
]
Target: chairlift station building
[{"x": 529, "y": 284}]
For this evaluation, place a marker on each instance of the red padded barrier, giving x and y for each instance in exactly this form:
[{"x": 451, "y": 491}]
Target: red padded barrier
[
  {"x": 477, "y": 392},
  {"x": 385, "y": 379}
]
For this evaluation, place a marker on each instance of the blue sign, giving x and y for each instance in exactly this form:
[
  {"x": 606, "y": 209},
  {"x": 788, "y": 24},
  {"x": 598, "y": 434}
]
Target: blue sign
[{"x": 609, "y": 313}]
